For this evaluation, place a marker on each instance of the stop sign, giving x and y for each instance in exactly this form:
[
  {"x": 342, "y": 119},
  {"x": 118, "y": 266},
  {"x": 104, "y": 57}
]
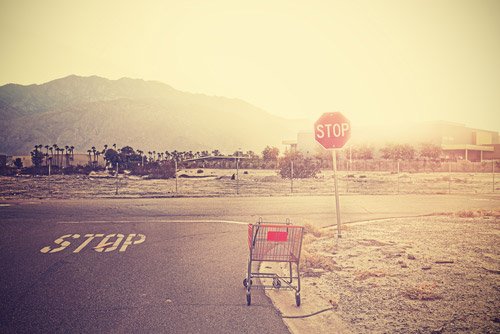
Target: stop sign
[{"x": 332, "y": 130}]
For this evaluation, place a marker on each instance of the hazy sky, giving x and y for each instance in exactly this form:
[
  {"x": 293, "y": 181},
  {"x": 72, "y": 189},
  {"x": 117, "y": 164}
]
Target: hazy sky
[{"x": 376, "y": 61}]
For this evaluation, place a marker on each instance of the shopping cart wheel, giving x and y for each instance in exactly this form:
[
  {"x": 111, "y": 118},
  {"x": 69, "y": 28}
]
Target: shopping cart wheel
[
  {"x": 249, "y": 298},
  {"x": 245, "y": 282},
  {"x": 297, "y": 299},
  {"x": 276, "y": 283}
]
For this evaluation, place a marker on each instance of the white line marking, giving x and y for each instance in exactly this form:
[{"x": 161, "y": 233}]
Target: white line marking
[{"x": 152, "y": 221}]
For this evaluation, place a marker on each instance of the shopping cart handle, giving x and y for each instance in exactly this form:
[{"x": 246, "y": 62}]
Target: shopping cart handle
[{"x": 255, "y": 235}]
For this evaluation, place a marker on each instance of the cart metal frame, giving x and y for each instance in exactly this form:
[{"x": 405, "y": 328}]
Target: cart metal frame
[{"x": 274, "y": 242}]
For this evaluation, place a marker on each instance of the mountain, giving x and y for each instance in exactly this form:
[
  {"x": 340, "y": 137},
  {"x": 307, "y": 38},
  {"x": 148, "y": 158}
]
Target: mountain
[{"x": 147, "y": 115}]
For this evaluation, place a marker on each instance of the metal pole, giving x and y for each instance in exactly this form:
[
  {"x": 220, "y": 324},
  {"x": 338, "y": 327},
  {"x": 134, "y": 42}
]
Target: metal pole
[
  {"x": 116, "y": 176},
  {"x": 176, "y": 180},
  {"x": 493, "y": 169},
  {"x": 398, "y": 176},
  {"x": 449, "y": 177},
  {"x": 347, "y": 179},
  {"x": 49, "y": 178},
  {"x": 291, "y": 176},
  {"x": 237, "y": 177},
  {"x": 337, "y": 205}
]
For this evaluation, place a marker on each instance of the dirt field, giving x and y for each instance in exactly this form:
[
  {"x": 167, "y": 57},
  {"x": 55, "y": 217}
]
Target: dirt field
[
  {"x": 437, "y": 274},
  {"x": 218, "y": 182}
]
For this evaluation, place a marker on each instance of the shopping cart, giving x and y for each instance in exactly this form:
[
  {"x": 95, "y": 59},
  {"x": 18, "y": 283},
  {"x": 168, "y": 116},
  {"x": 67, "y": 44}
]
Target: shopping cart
[{"x": 273, "y": 242}]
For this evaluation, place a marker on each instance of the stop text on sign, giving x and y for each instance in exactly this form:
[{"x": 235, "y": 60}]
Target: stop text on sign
[
  {"x": 105, "y": 243},
  {"x": 332, "y": 130}
]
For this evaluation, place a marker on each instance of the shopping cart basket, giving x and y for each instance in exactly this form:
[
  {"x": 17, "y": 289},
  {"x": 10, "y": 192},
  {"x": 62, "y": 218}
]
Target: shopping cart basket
[{"x": 273, "y": 242}]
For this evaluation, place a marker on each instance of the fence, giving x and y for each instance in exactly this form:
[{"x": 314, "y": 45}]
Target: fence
[
  {"x": 421, "y": 166},
  {"x": 252, "y": 182}
]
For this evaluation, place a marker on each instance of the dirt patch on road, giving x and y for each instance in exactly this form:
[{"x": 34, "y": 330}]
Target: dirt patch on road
[{"x": 434, "y": 274}]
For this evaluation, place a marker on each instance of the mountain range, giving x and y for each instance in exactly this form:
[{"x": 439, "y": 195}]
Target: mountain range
[{"x": 147, "y": 115}]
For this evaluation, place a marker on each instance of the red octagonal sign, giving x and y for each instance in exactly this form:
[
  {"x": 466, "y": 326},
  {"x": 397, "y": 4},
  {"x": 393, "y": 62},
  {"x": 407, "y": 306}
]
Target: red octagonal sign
[{"x": 332, "y": 130}]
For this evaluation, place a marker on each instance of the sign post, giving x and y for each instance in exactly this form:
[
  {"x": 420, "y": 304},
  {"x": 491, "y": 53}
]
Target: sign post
[{"x": 332, "y": 130}]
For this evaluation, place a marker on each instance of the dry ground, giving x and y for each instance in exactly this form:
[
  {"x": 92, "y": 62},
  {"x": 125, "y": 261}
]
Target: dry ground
[
  {"x": 218, "y": 182},
  {"x": 434, "y": 274}
]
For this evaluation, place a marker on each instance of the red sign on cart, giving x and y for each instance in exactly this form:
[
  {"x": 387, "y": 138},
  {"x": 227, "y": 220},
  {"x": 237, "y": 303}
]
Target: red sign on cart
[{"x": 277, "y": 236}]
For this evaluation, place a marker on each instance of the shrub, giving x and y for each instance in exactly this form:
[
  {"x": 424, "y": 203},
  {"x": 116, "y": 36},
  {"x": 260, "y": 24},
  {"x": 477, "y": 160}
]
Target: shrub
[{"x": 302, "y": 167}]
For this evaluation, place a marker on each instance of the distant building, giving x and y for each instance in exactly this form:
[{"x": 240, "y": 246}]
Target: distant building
[
  {"x": 305, "y": 144},
  {"x": 457, "y": 141}
]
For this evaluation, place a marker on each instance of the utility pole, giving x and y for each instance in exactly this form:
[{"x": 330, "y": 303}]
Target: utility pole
[
  {"x": 176, "y": 179},
  {"x": 237, "y": 174},
  {"x": 337, "y": 204},
  {"x": 493, "y": 170},
  {"x": 49, "y": 174},
  {"x": 116, "y": 176}
]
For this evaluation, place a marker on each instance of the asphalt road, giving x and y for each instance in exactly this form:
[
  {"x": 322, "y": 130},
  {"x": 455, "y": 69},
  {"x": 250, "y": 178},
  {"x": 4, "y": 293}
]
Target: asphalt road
[
  {"x": 183, "y": 278},
  {"x": 165, "y": 266}
]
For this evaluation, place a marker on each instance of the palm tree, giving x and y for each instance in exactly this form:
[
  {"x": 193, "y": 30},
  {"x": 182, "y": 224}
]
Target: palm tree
[
  {"x": 52, "y": 154},
  {"x": 56, "y": 154},
  {"x": 66, "y": 155},
  {"x": 93, "y": 152},
  {"x": 58, "y": 150},
  {"x": 90, "y": 160},
  {"x": 72, "y": 148}
]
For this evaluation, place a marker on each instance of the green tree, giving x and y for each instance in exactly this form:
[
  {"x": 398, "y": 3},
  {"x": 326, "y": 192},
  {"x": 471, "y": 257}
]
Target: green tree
[
  {"x": 398, "y": 152},
  {"x": 270, "y": 154},
  {"x": 18, "y": 163},
  {"x": 323, "y": 156},
  {"x": 361, "y": 152},
  {"x": 36, "y": 157},
  {"x": 112, "y": 157},
  {"x": 430, "y": 151},
  {"x": 130, "y": 156}
]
